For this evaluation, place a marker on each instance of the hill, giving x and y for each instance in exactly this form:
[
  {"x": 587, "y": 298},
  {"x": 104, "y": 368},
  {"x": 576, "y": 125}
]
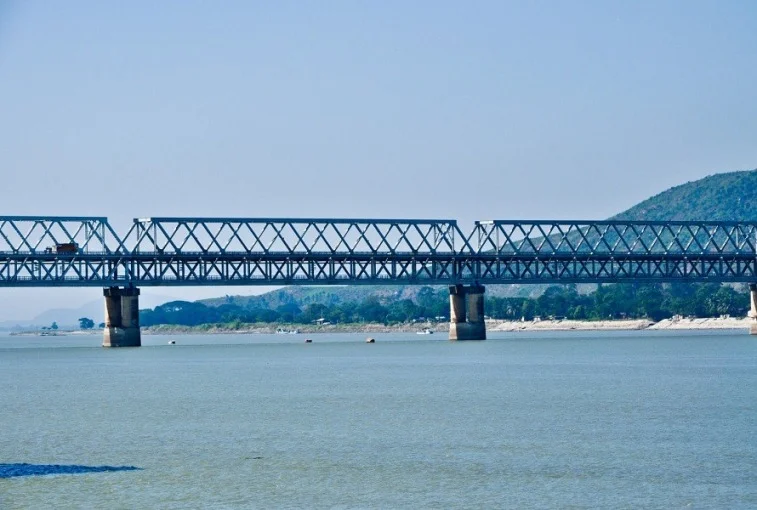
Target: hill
[
  {"x": 729, "y": 196},
  {"x": 330, "y": 296}
]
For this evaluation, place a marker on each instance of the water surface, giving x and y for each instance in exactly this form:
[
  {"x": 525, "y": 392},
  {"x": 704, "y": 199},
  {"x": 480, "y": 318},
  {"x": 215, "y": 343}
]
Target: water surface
[{"x": 522, "y": 420}]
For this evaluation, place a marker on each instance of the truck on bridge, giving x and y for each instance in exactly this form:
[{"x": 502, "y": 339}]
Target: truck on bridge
[{"x": 63, "y": 248}]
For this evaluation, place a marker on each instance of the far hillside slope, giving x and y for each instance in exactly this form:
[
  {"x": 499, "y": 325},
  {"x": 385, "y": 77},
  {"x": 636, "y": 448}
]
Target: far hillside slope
[
  {"x": 334, "y": 295},
  {"x": 730, "y": 196}
]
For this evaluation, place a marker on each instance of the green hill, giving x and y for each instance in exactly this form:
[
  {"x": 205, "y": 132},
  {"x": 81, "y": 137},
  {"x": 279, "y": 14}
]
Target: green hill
[
  {"x": 329, "y": 296},
  {"x": 730, "y": 196}
]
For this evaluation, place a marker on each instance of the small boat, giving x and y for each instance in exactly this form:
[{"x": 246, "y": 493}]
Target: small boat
[
  {"x": 370, "y": 340},
  {"x": 308, "y": 341},
  {"x": 426, "y": 331},
  {"x": 172, "y": 342}
]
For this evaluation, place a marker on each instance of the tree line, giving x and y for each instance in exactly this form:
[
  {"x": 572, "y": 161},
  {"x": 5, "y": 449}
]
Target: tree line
[{"x": 652, "y": 301}]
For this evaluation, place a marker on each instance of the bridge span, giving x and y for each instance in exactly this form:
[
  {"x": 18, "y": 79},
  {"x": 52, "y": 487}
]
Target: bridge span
[{"x": 42, "y": 251}]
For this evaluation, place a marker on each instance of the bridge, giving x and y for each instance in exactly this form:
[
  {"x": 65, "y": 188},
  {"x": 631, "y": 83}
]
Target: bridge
[{"x": 40, "y": 251}]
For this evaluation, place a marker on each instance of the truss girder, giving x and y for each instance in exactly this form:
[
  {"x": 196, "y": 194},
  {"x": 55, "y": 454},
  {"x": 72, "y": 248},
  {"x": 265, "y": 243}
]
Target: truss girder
[
  {"x": 546, "y": 238},
  {"x": 40, "y": 234},
  {"x": 296, "y": 236},
  {"x": 229, "y": 251}
]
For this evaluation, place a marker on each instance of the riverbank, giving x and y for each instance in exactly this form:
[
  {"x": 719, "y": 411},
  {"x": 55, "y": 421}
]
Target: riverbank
[
  {"x": 269, "y": 329},
  {"x": 618, "y": 325},
  {"x": 492, "y": 325},
  {"x": 568, "y": 325},
  {"x": 443, "y": 327}
]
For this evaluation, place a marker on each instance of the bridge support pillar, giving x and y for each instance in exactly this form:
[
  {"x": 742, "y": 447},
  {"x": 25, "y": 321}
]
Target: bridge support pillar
[
  {"x": 466, "y": 312},
  {"x": 753, "y": 307},
  {"x": 121, "y": 317}
]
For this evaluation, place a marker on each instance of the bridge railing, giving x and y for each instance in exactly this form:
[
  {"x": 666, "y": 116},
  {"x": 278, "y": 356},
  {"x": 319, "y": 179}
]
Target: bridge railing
[
  {"x": 57, "y": 234},
  {"x": 296, "y": 236},
  {"x": 613, "y": 238}
]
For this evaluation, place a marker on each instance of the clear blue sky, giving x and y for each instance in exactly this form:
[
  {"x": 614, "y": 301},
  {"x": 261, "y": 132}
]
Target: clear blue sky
[{"x": 468, "y": 110}]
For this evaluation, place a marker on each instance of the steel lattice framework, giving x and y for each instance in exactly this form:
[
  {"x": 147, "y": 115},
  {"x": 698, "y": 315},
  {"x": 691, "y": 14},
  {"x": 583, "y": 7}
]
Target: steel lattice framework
[{"x": 85, "y": 251}]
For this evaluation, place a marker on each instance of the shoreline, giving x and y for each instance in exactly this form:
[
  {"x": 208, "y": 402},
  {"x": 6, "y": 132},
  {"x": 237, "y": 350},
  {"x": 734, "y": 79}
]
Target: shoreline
[
  {"x": 492, "y": 325},
  {"x": 713, "y": 323}
]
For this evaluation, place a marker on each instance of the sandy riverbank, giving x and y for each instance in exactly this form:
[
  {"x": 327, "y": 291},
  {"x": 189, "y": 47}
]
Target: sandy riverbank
[
  {"x": 299, "y": 328},
  {"x": 491, "y": 325},
  {"x": 614, "y": 325},
  {"x": 714, "y": 323},
  {"x": 567, "y": 325}
]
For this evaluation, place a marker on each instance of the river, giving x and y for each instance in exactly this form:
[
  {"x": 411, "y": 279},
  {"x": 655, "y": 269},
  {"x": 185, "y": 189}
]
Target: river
[{"x": 523, "y": 420}]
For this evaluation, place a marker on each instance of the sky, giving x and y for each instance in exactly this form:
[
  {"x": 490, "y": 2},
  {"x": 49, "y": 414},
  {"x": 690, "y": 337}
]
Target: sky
[{"x": 464, "y": 110}]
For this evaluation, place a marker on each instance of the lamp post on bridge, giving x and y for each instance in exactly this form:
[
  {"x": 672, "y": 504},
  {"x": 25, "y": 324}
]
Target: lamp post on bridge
[{"x": 753, "y": 308}]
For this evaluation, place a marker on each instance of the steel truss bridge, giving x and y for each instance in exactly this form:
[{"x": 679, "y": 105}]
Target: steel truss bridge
[{"x": 37, "y": 251}]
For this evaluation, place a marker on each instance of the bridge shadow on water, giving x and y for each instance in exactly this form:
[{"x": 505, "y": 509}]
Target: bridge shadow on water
[{"x": 15, "y": 470}]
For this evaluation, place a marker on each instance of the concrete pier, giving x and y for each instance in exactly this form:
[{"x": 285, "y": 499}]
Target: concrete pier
[
  {"x": 753, "y": 307},
  {"x": 121, "y": 317},
  {"x": 466, "y": 312}
]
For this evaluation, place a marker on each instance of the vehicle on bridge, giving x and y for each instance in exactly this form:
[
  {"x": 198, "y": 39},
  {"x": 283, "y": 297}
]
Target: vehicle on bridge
[{"x": 63, "y": 248}]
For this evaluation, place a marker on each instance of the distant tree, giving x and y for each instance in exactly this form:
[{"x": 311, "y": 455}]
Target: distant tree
[
  {"x": 427, "y": 298},
  {"x": 289, "y": 312},
  {"x": 54, "y": 325},
  {"x": 86, "y": 323},
  {"x": 371, "y": 310},
  {"x": 403, "y": 311},
  {"x": 578, "y": 312},
  {"x": 527, "y": 309},
  {"x": 313, "y": 312},
  {"x": 101, "y": 325},
  {"x": 262, "y": 315}
]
